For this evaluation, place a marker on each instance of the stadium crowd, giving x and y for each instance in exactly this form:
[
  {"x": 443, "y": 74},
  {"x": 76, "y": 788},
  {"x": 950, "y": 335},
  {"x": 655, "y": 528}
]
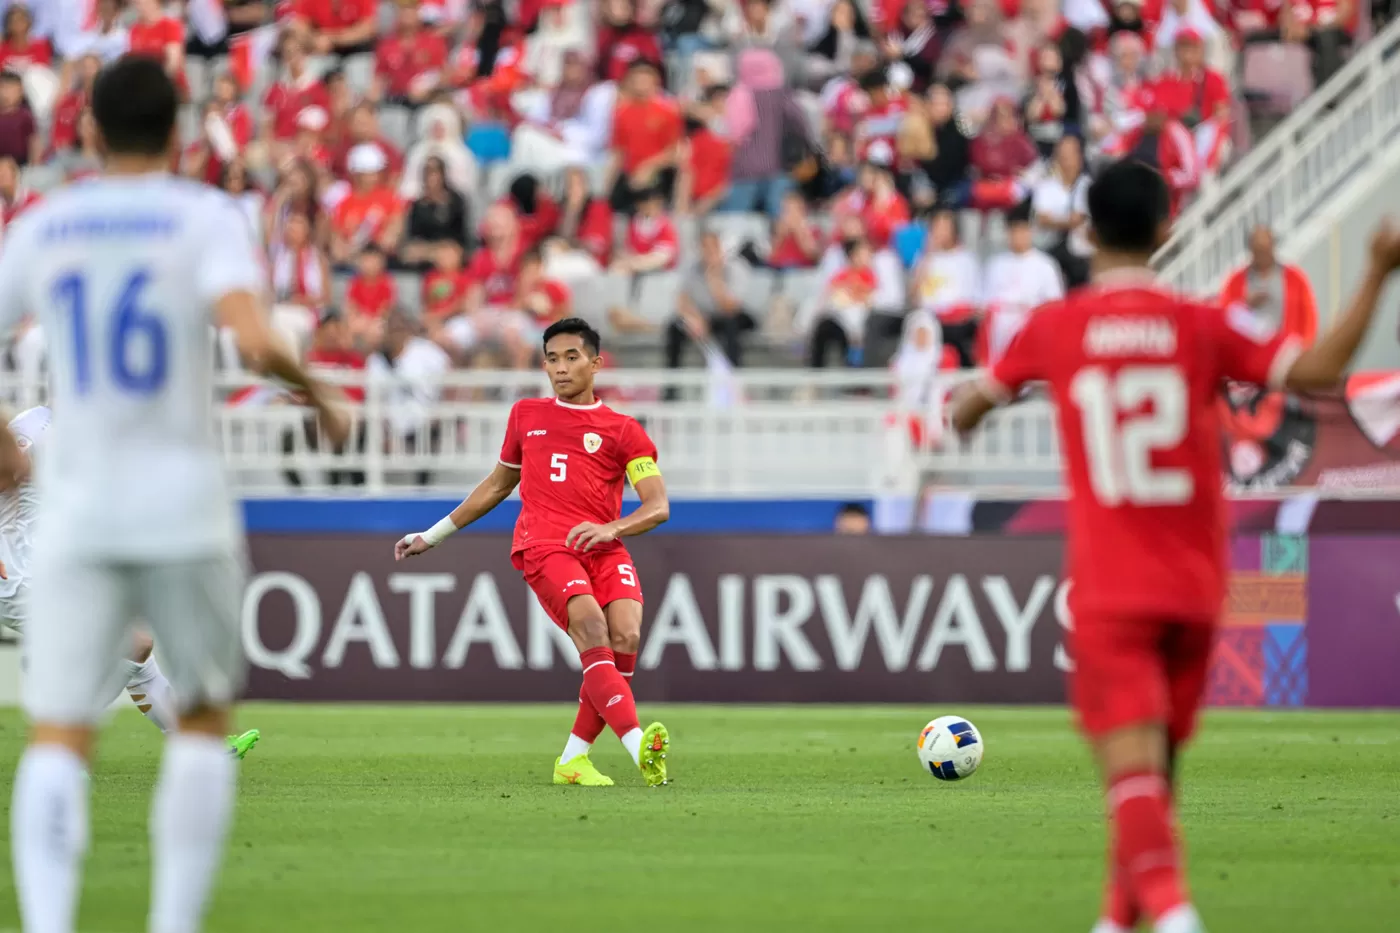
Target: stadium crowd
[{"x": 824, "y": 180}]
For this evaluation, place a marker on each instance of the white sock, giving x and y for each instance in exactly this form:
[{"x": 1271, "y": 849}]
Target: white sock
[
  {"x": 632, "y": 741},
  {"x": 152, "y": 694},
  {"x": 574, "y": 747},
  {"x": 1182, "y": 919},
  {"x": 1108, "y": 926},
  {"x": 190, "y": 820},
  {"x": 48, "y": 837}
]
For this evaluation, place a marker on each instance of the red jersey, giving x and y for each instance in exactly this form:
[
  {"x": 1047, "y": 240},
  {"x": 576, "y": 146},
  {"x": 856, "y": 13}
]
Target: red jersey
[
  {"x": 709, "y": 164},
  {"x": 285, "y": 102},
  {"x": 646, "y": 236},
  {"x": 335, "y": 14},
  {"x": 443, "y": 292},
  {"x": 497, "y": 278},
  {"x": 373, "y": 297},
  {"x": 399, "y": 60},
  {"x": 151, "y": 39},
  {"x": 24, "y": 200},
  {"x": 366, "y": 214},
  {"x": 1135, "y": 372},
  {"x": 19, "y": 57},
  {"x": 644, "y": 129},
  {"x": 1255, "y": 15},
  {"x": 595, "y": 231},
  {"x": 573, "y": 460},
  {"x": 881, "y": 124},
  {"x": 1192, "y": 100}
]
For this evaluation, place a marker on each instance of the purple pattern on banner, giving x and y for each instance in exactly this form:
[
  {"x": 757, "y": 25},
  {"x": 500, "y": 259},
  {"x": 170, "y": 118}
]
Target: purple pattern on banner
[{"x": 1354, "y": 631}]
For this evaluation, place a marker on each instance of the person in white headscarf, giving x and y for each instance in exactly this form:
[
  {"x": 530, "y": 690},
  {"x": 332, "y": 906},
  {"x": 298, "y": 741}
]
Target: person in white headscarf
[
  {"x": 440, "y": 135},
  {"x": 564, "y": 25}
]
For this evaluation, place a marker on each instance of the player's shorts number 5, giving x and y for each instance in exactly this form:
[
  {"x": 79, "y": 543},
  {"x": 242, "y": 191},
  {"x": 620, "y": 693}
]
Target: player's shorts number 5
[
  {"x": 1126, "y": 417},
  {"x": 626, "y": 574}
]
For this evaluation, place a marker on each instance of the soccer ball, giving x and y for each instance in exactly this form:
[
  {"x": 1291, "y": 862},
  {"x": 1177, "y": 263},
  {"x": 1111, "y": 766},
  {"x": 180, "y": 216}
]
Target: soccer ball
[{"x": 950, "y": 748}]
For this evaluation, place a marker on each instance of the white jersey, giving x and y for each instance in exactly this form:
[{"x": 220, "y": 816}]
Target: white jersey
[
  {"x": 123, "y": 274},
  {"x": 19, "y": 508}
]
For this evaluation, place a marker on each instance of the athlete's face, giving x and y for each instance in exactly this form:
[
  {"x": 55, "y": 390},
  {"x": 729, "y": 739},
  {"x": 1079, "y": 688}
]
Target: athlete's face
[{"x": 571, "y": 365}]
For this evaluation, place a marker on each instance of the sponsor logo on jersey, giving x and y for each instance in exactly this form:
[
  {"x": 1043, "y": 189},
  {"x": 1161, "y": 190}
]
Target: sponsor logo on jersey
[
  {"x": 575, "y": 583},
  {"x": 616, "y": 699},
  {"x": 536, "y": 433},
  {"x": 591, "y": 442}
]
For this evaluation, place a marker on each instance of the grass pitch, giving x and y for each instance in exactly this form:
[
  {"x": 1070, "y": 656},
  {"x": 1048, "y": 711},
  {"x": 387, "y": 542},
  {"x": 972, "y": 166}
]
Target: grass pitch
[{"x": 419, "y": 819}]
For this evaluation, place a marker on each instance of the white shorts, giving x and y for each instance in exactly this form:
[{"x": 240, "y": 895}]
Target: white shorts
[
  {"x": 15, "y": 607},
  {"x": 86, "y": 612}
]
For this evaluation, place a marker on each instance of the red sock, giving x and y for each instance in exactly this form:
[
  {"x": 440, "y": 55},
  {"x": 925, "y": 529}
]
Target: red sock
[
  {"x": 608, "y": 690},
  {"x": 1118, "y": 904},
  {"x": 1144, "y": 845},
  {"x": 588, "y": 724}
]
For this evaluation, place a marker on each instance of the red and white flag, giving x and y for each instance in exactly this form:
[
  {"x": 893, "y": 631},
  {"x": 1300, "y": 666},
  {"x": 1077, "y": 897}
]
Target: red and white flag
[{"x": 250, "y": 53}]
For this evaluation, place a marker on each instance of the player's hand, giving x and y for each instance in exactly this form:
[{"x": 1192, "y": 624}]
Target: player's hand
[
  {"x": 410, "y": 546},
  {"x": 4, "y": 574},
  {"x": 584, "y": 536},
  {"x": 1385, "y": 246}
]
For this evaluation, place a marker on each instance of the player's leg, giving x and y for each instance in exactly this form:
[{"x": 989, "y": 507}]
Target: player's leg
[
  {"x": 615, "y": 583},
  {"x": 553, "y": 577},
  {"x": 1121, "y": 694},
  {"x": 625, "y": 631},
  {"x": 193, "y": 610},
  {"x": 71, "y": 655},
  {"x": 602, "y": 682}
]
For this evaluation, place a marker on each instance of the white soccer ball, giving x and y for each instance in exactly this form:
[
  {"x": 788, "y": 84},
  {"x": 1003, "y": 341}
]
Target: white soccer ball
[{"x": 950, "y": 748}]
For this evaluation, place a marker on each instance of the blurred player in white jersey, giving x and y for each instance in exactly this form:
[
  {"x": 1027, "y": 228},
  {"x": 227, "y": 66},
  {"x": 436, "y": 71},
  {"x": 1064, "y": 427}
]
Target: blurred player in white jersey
[
  {"x": 142, "y": 677},
  {"x": 126, "y": 273}
]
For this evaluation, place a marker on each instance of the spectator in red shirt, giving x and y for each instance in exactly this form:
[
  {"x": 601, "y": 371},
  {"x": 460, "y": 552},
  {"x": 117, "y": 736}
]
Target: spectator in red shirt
[
  {"x": 160, "y": 37},
  {"x": 495, "y": 268},
  {"x": 300, "y": 273},
  {"x": 20, "y": 50},
  {"x": 545, "y": 299},
  {"x": 333, "y": 347},
  {"x": 622, "y": 42},
  {"x": 1198, "y": 97},
  {"x": 19, "y": 134},
  {"x": 370, "y": 213},
  {"x": 15, "y": 199},
  {"x": 370, "y": 296},
  {"x": 535, "y": 211},
  {"x": 652, "y": 242},
  {"x": 647, "y": 132},
  {"x": 229, "y": 97},
  {"x": 1325, "y": 25},
  {"x": 205, "y": 158},
  {"x": 847, "y": 301},
  {"x": 409, "y": 62},
  {"x": 363, "y": 129},
  {"x": 797, "y": 243},
  {"x": 310, "y": 144},
  {"x": 587, "y": 221},
  {"x": 705, "y": 156},
  {"x": 338, "y": 27},
  {"x": 71, "y": 105},
  {"x": 298, "y": 89},
  {"x": 875, "y": 199},
  {"x": 445, "y": 288}
]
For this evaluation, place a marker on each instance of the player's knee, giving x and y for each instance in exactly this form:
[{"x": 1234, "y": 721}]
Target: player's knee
[
  {"x": 77, "y": 739},
  {"x": 206, "y": 720},
  {"x": 625, "y": 642},
  {"x": 1133, "y": 749},
  {"x": 589, "y": 630}
]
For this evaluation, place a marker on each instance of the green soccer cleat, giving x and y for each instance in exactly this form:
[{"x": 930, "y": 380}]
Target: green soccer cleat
[
  {"x": 241, "y": 745},
  {"x": 655, "y": 742},
  {"x": 580, "y": 770}
]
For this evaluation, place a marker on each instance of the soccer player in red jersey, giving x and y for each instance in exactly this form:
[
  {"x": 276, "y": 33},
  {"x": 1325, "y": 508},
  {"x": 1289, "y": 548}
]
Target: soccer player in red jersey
[
  {"x": 1134, "y": 371},
  {"x": 570, "y": 455}
]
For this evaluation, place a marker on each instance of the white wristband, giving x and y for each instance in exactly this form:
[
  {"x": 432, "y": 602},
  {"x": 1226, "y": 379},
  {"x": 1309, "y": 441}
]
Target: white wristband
[{"x": 444, "y": 529}]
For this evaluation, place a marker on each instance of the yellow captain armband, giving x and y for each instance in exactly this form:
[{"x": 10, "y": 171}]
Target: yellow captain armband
[{"x": 640, "y": 469}]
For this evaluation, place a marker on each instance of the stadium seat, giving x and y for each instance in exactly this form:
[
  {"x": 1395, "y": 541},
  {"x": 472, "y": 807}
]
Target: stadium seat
[
  {"x": 410, "y": 288},
  {"x": 656, "y": 296},
  {"x": 489, "y": 142},
  {"x": 737, "y": 229},
  {"x": 396, "y": 123},
  {"x": 800, "y": 285},
  {"x": 199, "y": 76},
  {"x": 359, "y": 73},
  {"x": 189, "y": 122},
  {"x": 593, "y": 297},
  {"x": 757, "y": 292}
]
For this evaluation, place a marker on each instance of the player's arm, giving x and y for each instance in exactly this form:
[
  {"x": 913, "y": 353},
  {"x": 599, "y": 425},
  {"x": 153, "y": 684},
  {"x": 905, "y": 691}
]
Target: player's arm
[
  {"x": 1021, "y": 363},
  {"x": 1322, "y": 365},
  {"x": 488, "y": 494},
  {"x": 645, "y": 477}
]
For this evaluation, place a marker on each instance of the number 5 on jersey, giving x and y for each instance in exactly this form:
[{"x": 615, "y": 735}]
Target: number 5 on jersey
[
  {"x": 1126, "y": 417},
  {"x": 137, "y": 354},
  {"x": 558, "y": 468}
]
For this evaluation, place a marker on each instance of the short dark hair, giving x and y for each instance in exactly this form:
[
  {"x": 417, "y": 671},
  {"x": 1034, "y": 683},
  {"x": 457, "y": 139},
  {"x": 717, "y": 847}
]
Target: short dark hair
[
  {"x": 853, "y": 508},
  {"x": 1020, "y": 214},
  {"x": 577, "y": 326},
  {"x": 1128, "y": 202},
  {"x": 875, "y": 79},
  {"x": 135, "y": 104}
]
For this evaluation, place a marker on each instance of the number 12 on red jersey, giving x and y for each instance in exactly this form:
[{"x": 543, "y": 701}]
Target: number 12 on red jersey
[{"x": 1126, "y": 416}]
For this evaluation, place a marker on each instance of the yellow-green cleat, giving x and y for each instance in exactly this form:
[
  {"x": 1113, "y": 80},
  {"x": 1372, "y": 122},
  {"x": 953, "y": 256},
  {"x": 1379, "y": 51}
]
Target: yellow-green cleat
[
  {"x": 580, "y": 770},
  {"x": 656, "y": 741},
  {"x": 241, "y": 745}
]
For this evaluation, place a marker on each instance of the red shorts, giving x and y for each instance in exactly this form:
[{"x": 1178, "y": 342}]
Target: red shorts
[
  {"x": 558, "y": 574},
  {"x": 1129, "y": 672}
]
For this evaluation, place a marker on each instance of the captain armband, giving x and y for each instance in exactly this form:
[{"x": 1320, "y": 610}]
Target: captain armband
[{"x": 640, "y": 469}]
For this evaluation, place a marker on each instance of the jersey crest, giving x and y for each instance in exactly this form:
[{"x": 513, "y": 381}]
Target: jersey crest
[{"x": 591, "y": 442}]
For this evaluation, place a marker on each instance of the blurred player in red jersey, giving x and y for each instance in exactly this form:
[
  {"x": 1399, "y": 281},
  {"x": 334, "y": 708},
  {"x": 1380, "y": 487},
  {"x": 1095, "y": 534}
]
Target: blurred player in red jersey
[
  {"x": 571, "y": 455},
  {"x": 1134, "y": 371}
]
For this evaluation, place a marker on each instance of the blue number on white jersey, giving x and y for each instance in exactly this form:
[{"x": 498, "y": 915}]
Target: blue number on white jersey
[{"x": 136, "y": 355}]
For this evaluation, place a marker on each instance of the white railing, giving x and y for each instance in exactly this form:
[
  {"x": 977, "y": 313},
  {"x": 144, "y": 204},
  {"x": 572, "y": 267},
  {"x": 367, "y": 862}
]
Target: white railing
[
  {"x": 1295, "y": 171},
  {"x": 775, "y": 433}
]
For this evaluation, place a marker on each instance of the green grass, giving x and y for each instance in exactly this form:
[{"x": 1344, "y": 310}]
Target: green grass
[{"x": 420, "y": 819}]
